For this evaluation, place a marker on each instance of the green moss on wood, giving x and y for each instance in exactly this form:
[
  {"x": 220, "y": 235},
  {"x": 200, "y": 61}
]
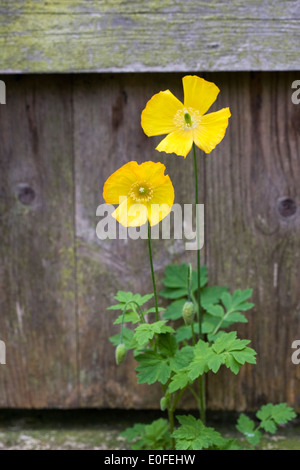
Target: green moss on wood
[{"x": 71, "y": 36}]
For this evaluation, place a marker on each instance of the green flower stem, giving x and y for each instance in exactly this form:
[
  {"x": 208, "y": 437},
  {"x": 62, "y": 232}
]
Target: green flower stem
[
  {"x": 171, "y": 422},
  {"x": 195, "y": 395},
  {"x": 152, "y": 273},
  {"x": 220, "y": 323},
  {"x": 200, "y": 314},
  {"x": 193, "y": 334},
  {"x": 198, "y": 250},
  {"x": 201, "y": 382}
]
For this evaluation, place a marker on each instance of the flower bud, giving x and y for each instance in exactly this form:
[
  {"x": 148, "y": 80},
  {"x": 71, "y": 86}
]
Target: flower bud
[
  {"x": 120, "y": 353},
  {"x": 188, "y": 312},
  {"x": 164, "y": 403}
]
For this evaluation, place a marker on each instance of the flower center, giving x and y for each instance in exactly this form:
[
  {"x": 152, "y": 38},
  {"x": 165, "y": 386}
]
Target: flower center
[
  {"x": 187, "y": 119},
  {"x": 141, "y": 192}
]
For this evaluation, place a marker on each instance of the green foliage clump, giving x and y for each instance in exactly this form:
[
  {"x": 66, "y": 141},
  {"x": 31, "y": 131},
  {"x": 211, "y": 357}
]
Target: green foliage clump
[{"x": 171, "y": 351}]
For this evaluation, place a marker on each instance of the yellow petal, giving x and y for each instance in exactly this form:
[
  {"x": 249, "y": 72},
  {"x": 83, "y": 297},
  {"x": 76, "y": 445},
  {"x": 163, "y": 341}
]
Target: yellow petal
[
  {"x": 161, "y": 203},
  {"x": 152, "y": 172},
  {"x": 157, "y": 212},
  {"x": 130, "y": 214},
  {"x": 164, "y": 194},
  {"x": 179, "y": 141},
  {"x": 119, "y": 183},
  {"x": 158, "y": 116},
  {"x": 199, "y": 93},
  {"x": 211, "y": 129}
]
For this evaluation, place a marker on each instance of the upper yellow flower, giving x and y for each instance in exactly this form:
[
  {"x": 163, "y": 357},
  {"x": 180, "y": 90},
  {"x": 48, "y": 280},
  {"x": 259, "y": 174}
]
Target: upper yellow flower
[
  {"x": 186, "y": 123},
  {"x": 143, "y": 193}
]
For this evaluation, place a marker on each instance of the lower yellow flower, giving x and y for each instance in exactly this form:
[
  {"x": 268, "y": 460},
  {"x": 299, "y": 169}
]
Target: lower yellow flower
[
  {"x": 143, "y": 193},
  {"x": 186, "y": 122}
]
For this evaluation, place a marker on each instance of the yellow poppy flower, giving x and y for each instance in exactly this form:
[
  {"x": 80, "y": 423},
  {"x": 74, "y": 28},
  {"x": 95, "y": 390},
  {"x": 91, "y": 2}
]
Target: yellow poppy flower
[
  {"x": 186, "y": 123},
  {"x": 143, "y": 193}
]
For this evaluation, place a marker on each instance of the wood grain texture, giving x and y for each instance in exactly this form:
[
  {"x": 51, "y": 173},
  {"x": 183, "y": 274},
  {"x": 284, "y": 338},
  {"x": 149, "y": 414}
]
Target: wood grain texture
[
  {"x": 135, "y": 36},
  {"x": 81, "y": 129},
  {"x": 37, "y": 283}
]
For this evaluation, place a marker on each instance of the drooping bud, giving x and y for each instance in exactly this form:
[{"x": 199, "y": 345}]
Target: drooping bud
[
  {"x": 120, "y": 353},
  {"x": 164, "y": 403},
  {"x": 188, "y": 312}
]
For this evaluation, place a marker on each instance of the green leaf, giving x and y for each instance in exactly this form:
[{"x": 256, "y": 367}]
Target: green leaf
[
  {"x": 174, "y": 310},
  {"x": 178, "y": 364},
  {"x": 232, "y": 364},
  {"x": 235, "y": 317},
  {"x": 153, "y": 310},
  {"x": 209, "y": 323},
  {"x": 225, "y": 342},
  {"x": 234, "y": 351},
  {"x": 129, "y": 317},
  {"x": 184, "y": 332},
  {"x": 202, "y": 352},
  {"x": 269, "y": 426},
  {"x": 215, "y": 361},
  {"x": 146, "y": 331},
  {"x": 247, "y": 427},
  {"x": 273, "y": 415},
  {"x": 232, "y": 304},
  {"x": 154, "y": 436},
  {"x": 125, "y": 297},
  {"x": 176, "y": 276},
  {"x": 167, "y": 344},
  {"x": 131, "y": 302},
  {"x": 179, "y": 380},
  {"x": 227, "y": 349},
  {"x": 282, "y": 413},
  {"x": 192, "y": 434},
  {"x": 215, "y": 310},
  {"x": 156, "y": 432},
  {"x": 175, "y": 281},
  {"x": 133, "y": 432},
  {"x": 182, "y": 358},
  {"x": 127, "y": 338},
  {"x": 153, "y": 367},
  {"x": 168, "y": 293},
  {"x": 244, "y": 355},
  {"x": 237, "y": 301},
  {"x": 211, "y": 295}
]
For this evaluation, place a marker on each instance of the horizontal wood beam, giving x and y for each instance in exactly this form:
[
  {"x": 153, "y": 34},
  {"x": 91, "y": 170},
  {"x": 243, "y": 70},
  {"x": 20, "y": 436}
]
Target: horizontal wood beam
[{"x": 69, "y": 36}]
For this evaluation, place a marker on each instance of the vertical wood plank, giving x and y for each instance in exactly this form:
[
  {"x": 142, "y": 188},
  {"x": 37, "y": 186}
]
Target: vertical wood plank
[
  {"x": 253, "y": 241},
  {"x": 37, "y": 283}
]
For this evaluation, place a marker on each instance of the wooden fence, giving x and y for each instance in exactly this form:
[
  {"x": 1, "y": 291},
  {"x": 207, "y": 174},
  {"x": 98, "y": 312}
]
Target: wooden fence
[{"x": 77, "y": 75}]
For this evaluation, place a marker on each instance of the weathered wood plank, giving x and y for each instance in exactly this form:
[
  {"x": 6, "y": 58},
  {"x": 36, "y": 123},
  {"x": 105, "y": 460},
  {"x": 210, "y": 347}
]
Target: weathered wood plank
[
  {"x": 253, "y": 236},
  {"x": 37, "y": 262},
  {"x": 121, "y": 36}
]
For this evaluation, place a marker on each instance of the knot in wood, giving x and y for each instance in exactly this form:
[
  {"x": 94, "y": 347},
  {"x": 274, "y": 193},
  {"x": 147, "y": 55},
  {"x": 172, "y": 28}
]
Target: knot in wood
[
  {"x": 26, "y": 194},
  {"x": 286, "y": 207}
]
